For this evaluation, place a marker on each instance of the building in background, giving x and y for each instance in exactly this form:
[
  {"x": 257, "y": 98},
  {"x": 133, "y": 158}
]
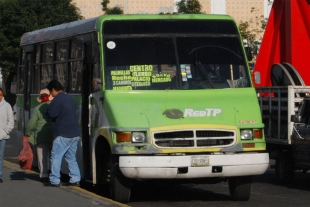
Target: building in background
[{"x": 238, "y": 9}]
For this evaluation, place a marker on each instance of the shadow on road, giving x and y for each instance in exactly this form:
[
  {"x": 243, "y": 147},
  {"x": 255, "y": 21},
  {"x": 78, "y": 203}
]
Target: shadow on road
[
  {"x": 20, "y": 175},
  {"x": 154, "y": 192},
  {"x": 301, "y": 180}
]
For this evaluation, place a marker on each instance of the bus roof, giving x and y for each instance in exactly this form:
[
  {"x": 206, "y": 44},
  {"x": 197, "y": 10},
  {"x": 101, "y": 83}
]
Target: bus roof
[
  {"x": 88, "y": 25},
  {"x": 59, "y": 31}
]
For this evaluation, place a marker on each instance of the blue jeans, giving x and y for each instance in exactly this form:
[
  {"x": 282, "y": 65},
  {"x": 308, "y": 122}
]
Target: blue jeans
[
  {"x": 64, "y": 147},
  {"x": 2, "y": 147}
]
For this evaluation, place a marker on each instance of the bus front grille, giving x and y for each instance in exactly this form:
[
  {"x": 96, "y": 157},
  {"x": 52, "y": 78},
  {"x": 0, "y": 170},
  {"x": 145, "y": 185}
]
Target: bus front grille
[{"x": 194, "y": 138}]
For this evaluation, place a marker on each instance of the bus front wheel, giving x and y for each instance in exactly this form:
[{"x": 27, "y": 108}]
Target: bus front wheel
[
  {"x": 120, "y": 186},
  {"x": 240, "y": 188}
]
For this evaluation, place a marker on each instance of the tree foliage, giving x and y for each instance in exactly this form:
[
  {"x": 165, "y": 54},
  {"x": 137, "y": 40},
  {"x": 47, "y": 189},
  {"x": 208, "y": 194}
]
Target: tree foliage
[
  {"x": 20, "y": 16},
  {"x": 189, "y": 7},
  {"x": 113, "y": 10},
  {"x": 252, "y": 31}
]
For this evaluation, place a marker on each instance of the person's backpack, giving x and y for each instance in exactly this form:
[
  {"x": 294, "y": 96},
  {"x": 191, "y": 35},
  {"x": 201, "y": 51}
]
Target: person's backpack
[{"x": 25, "y": 156}]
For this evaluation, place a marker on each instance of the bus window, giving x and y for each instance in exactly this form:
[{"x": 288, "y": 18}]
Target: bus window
[
  {"x": 137, "y": 70},
  {"x": 38, "y": 53},
  {"x": 193, "y": 66},
  {"x": 164, "y": 77},
  {"x": 96, "y": 71},
  {"x": 36, "y": 73},
  {"x": 75, "y": 78},
  {"x": 20, "y": 73},
  {"x": 76, "y": 49},
  {"x": 46, "y": 75},
  {"x": 23, "y": 56},
  {"x": 21, "y": 83},
  {"x": 48, "y": 53},
  {"x": 76, "y": 65},
  {"x": 28, "y": 79},
  {"x": 61, "y": 73},
  {"x": 202, "y": 53},
  {"x": 36, "y": 80},
  {"x": 62, "y": 50},
  {"x": 96, "y": 74}
]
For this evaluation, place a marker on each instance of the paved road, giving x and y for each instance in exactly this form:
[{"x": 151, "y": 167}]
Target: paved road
[{"x": 265, "y": 192}]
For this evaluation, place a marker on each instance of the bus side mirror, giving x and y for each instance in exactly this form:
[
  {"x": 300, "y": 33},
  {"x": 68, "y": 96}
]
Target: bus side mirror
[{"x": 296, "y": 119}]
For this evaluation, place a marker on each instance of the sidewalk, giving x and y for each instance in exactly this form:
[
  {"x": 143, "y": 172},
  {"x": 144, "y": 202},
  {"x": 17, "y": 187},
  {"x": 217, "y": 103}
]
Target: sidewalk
[{"x": 22, "y": 189}]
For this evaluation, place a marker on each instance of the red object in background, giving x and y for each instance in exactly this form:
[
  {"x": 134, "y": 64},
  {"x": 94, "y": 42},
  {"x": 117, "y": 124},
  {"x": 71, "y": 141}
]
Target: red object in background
[{"x": 286, "y": 39}]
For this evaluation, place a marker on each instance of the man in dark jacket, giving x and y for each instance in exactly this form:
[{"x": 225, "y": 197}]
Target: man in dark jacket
[{"x": 66, "y": 132}]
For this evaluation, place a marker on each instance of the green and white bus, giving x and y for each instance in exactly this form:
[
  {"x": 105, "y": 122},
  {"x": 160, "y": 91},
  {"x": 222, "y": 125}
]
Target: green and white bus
[{"x": 160, "y": 97}]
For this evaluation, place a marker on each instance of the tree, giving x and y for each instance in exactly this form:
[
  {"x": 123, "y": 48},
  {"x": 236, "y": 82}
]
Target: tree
[
  {"x": 252, "y": 31},
  {"x": 20, "y": 16},
  {"x": 189, "y": 7},
  {"x": 113, "y": 10}
]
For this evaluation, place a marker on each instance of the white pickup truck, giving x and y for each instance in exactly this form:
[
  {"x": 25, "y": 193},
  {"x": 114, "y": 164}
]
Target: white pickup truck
[{"x": 285, "y": 112}]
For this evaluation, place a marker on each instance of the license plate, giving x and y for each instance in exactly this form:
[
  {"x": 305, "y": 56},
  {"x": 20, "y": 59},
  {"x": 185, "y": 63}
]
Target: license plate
[{"x": 200, "y": 161}]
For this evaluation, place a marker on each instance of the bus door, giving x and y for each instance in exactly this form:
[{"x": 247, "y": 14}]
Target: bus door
[
  {"x": 91, "y": 85},
  {"x": 85, "y": 119},
  {"x": 23, "y": 95}
]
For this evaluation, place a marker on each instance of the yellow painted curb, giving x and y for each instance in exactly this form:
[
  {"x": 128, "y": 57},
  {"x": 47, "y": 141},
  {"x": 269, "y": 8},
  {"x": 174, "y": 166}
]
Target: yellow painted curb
[{"x": 16, "y": 165}]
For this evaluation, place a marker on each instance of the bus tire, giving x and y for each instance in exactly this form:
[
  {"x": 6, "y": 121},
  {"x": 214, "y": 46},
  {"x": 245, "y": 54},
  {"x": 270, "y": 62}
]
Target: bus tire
[
  {"x": 240, "y": 188},
  {"x": 120, "y": 186},
  {"x": 284, "y": 168}
]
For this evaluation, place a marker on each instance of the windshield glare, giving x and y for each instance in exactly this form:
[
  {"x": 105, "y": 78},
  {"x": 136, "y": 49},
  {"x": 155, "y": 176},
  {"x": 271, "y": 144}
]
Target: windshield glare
[{"x": 175, "y": 62}]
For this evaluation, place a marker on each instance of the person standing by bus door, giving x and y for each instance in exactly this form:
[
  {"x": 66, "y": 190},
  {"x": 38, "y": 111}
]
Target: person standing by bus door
[
  {"x": 66, "y": 132},
  {"x": 6, "y": 126},
  {"x": 40, "y": 131}
]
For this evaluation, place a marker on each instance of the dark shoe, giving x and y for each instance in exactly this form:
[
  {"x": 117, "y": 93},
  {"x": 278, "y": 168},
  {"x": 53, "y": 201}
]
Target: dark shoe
[
  {"x": 44, "y": 180},
  {"x": 77, "y": 184},
  {"x": 51, "y": 184},
  {"x": 1, "y": 181}
]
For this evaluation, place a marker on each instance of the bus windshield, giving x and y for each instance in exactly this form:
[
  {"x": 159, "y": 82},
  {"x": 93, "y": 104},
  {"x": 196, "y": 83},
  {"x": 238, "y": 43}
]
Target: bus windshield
[{"x": 161, "y": 61}]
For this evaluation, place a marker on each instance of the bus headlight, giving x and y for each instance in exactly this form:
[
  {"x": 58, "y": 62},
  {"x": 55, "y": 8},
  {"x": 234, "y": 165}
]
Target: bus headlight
[
  {"x": 138, "y": 137},
  {"x": 246, "y": 134}
]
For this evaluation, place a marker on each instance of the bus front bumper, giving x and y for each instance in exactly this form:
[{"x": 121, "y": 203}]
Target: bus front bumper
[{"x": 195, "y": 166}]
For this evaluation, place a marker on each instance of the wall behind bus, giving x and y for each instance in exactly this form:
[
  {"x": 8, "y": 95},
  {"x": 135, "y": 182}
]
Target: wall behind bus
[{"x": 238, "y": 9}]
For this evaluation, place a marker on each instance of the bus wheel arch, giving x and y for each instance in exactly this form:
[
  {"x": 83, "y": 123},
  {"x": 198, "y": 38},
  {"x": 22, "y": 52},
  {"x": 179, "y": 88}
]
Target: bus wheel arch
[
  {"x": 109, "y": 174},
  {"x": 102, "y": 151}
]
